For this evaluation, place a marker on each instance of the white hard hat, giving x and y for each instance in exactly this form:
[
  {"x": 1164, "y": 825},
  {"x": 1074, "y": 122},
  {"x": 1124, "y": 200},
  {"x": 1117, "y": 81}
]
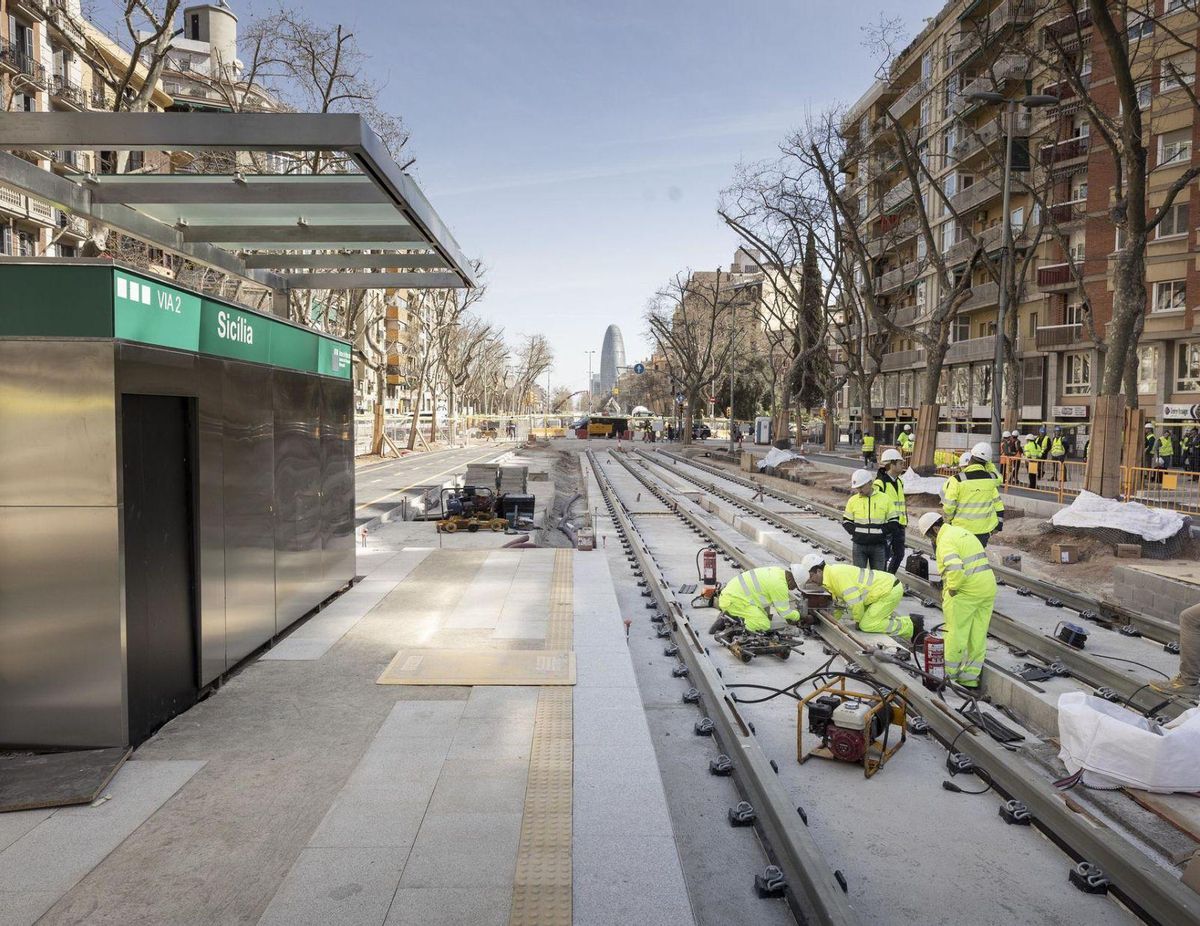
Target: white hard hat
[
  {"x": 908, "y": 427},
  {"x": 801, "y": 569},
  {"x": 983, "y": 450},
  {"x": 892, "y": 455},
  {"x": 928, "y": 519},
  {"x": 1010, "y": 433},
  {"x": 965, "y": 458},
  {"x": 861, "y": 478},
  {"x": 1150, "y": 426}
]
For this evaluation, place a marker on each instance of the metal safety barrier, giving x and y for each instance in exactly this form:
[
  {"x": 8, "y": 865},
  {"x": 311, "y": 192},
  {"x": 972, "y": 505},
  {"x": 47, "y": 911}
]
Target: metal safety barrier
[
  {"x": 1060, "y": 480},
  {"x": 1172, "y": 489}
]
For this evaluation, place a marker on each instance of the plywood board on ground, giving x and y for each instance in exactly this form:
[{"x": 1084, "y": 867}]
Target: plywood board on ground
[
  {"x": 29, "y": 781},
  {"x": 480, "y": 667}
]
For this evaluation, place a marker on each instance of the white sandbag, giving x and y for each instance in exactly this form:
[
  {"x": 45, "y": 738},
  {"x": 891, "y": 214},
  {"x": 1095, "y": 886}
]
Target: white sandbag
[
  {"x": 1089, "y": 510},
  {"x": 922, "y": 485},
  {"x": 1117, "y": 747}
]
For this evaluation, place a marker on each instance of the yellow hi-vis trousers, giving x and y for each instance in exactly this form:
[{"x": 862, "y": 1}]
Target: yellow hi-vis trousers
[
  {"x": 881, "y": 617},
  {"x": 967, "y": 618}
]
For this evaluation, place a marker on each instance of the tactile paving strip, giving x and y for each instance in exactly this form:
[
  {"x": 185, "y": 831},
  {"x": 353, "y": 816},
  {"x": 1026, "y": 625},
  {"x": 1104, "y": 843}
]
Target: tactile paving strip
[
  {"x": 542, "y": 885},
  {"x": 479, "y": 667}
]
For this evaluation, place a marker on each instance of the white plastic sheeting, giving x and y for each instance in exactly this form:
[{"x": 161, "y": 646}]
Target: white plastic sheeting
[
  {"x": 922, "y": 485},
  {"x": 1118, "y": 748},
  {"x": 775, "y": 457},
  {"x": 1091, "y": 510}
]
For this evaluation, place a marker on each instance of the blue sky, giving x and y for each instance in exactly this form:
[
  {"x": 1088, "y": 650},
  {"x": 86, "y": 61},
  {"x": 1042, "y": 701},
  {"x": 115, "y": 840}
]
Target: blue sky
[{"x": 579, "y": 149}]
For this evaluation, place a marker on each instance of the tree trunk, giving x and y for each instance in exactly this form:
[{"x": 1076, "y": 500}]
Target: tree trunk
[
  {"x": 450, "y": 415},
  {"x": 377, "y": 444},
  {"x": 688, "y": 417},
  {"x": 927, "y": 416},
  {"x": 415, "y": 411},
  {"x": 831, "y": 417}
]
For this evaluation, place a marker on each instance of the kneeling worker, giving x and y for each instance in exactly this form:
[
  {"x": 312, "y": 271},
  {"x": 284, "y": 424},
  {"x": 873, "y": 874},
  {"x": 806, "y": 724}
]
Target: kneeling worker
[
  {"x": 870, "y": 596},
  {"x": 968, "y": 594},
  {"x": 750, "y": 597}
]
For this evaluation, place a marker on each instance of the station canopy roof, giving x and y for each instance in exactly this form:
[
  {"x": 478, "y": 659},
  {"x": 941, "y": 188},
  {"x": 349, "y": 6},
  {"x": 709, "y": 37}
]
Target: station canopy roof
[{"x": 367, "y": 226}]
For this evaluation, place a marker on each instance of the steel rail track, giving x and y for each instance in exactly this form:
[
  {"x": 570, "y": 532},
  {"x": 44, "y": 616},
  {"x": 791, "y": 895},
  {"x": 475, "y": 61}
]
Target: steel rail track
[
  {"x": 1003, "y": 627},
  {"x": 1151, "y": 891},
  {"x": 1153, "y": 627},
  {"x": 812, "y": 889}
]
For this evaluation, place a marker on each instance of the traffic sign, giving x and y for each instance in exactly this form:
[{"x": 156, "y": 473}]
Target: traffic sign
[{"x": 639, "y": 368}]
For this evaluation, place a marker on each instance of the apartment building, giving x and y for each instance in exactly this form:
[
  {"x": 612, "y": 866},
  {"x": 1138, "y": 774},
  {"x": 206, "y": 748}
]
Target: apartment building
[
  {"x": 52, "y": 59},
  {"x": 1059, "y": 209}
]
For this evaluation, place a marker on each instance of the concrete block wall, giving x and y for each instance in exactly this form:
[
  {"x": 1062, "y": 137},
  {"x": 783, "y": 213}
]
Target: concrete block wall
[{"x": 1152, "y": 594}]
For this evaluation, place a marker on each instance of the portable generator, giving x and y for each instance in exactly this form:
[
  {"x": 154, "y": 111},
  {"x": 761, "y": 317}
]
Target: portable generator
[
  {"x": 706, "y": 571},
  {"x": 851, "y": 726}
]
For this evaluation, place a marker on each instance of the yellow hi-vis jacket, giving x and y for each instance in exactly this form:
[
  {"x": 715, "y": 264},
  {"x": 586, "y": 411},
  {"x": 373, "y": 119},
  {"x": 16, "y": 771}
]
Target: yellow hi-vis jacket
[
  {"x": 1058, "y": 449},
  {"x": 962, "y": 562},
  {"x": 856, "y": 588},
  {"x": 868, "y": 442},
  {"x": 893, "y": 490},
  {"x": 866, "y": 516},
  {"x": 1032, "y": 450},
  {"x": 973, "y": 500},
  {"x": 905, "y": 441},
  {"x": 752, "y": 595}
]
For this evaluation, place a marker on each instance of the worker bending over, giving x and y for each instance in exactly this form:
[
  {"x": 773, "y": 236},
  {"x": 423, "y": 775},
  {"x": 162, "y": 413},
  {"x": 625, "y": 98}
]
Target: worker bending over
[
  {"x": 752, "y": 596},
  {"x": 870, "y": 596},
  {"x": 968, "y": 594},
  {"x": 973, "y": 496},
  {"x": 887, "y": 483},
  {"x": 905, "y": 440},
  {"x": 868, "y": 511}
]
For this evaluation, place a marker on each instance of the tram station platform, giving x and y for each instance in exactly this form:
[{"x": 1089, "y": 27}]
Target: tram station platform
[{"x": 339, "y": 779}]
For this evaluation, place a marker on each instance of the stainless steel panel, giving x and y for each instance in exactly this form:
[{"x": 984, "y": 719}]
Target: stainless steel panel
[
  {"x": 210, "y": 517},
  {"x": 155, "y": 370},
  {"x": 298, "y": 566},
  {"x": 337, "y": 483},
  {"x": 248, "y": 480},
  {"x": 58, "y": 439},
  {"x": 62, "y": 665}
]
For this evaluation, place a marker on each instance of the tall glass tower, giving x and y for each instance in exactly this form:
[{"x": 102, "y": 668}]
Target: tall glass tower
[{"x": 612, "y": 358}]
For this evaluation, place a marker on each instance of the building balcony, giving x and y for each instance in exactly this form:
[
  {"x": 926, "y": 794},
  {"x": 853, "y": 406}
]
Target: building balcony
[
  {"x": 896, "y": 195},
  {"x": 901, "y": 360},
  {"x": 976, "y": 36},
  {"x": 972, "y": 349},
  {"x": 1051, "y": 275},
  {"x": 1004, "y": 69},
  {"x": 102, "y": 98},
  {"x": 1065, "y": 150},
  {"x": 43, "y": 213},
  {"x": 15, "y": 59},
  {"x": 991, "y": 239},
  {"x": 908, "y": 99},
  {"x": 1058, "y": 337},
  {"x": 982, "y": 296},
  {"x": 982, "y": 190},
  {"x": 895, "y": 279},
  {"x": 1066, "y": 213},
  {"x": 1069, "y": 26},
  {"x": 67, "y": 92},
  {"x": 892, "y": 234},
  {"x": 11, "y": 201},
  {"x": 74, "y": 225}
]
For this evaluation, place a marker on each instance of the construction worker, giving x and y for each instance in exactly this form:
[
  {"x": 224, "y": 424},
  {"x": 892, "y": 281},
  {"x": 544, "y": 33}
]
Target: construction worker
[
  {"x": 887, "y": 482},
  {"x": 1149, "y": 447},
  {"x": 973, "y": 496},
  {"x": 1043, "y": 441},
  {"x": 868, "y": 449},
  {"x": 752, "y": 596},
  {"x": 1010, "y": 449},
  {"x": 1191, "y": 455},
  {"x": 870, "y": 596},
  {"x": 968, "y": 594},
  {"x": 1187, "y": 682},
  {"x": 1032, "y": 453},
  {"x": 905, "y": 440},
  {"x": 868, "y": 511},
  {"x": 1058, "y": 454},
  {"x": 1166, "y": 449}
]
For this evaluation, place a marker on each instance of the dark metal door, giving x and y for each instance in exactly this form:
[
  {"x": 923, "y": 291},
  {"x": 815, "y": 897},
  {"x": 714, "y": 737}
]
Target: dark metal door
[{"x": 160, "y": 598}]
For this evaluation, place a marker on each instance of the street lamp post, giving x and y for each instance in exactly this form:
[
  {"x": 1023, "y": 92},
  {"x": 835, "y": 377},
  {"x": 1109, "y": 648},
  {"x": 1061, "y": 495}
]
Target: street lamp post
[
  {"x": 732, "y": 356},
  {"x": 1006, "y": 261},
  {"x": 591, "y": 397}
]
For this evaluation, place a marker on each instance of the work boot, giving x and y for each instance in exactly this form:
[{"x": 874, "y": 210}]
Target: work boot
[
  {"x": 918, "y": 622},
  {"x": 1178, "y": 686}
]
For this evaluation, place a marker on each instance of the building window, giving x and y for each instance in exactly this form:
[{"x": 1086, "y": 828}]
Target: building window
[
  {"x": 1017, "y": 218},
  {"x": 1079, "y": 188},
  {"x": 1033, "y": 324},
  {"x": 877, "y": 392},
  {"x": 906, "y": 384},
  {"x": 1147, "y": 373},
  {"x": 950, "y": 235},
  {"x": 195, "y": 20},
  {"x": 922, "y": 288},
  {"x": 943, "y": 389},
  {"x": 1073, "y": 314},
  {"x": 1143, "y": 96},
  {"x": 1177, "y": 70},
  {"x": 981, "y": 377},
  {"x": 926, "y": 110},
  {"x": 1077, "y": 374},
  {"x": 1170, "y": 296},
  {"x": 1175, "y": 147},
  {"x": 1119, "y": 239},
  {"x": 960, "y": 386},
  {"x": 1170, "y": 6},
  {"x": 1076, "y": 246},
  {"x": 1187, "y": 369},
  {"x": 1140, "y": 27},
  {"x": 961, "y": 330},
  {"x": 1175, "y": 222}
]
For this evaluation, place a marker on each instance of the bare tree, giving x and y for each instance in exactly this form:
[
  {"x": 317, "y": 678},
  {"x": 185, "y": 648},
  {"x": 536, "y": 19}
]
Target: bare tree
[{"x": 691, "y": 321}]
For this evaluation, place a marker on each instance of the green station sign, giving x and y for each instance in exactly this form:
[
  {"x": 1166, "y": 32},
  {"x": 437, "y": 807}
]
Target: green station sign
[{"x": 72, "y": 300}]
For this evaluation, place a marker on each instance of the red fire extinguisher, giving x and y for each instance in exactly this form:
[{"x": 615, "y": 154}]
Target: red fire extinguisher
[
  {"x": 934, "y": 659},
  {"x": 708, "y": 565}
]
